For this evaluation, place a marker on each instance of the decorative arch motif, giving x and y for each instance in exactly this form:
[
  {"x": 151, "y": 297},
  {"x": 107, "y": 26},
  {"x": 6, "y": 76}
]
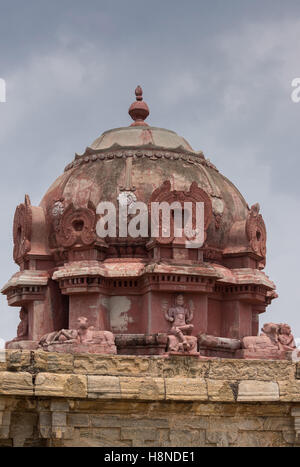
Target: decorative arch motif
[
  {"x": 76, "y": 226},
  {"x": 195, "y": 194},
  {"x": 22, "y": 230},
  {"x": 256, "y": 232}
]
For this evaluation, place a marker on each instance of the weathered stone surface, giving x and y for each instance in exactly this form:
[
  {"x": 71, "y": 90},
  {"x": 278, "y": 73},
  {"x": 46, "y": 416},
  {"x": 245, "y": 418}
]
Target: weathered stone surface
[
  {"x": 181, "y": 438},
  {"x": 219, "y": 390},
  {"x": 144, "y": 404},
  {"x": 142, "y": 388},
  {"x": 278, "y": 424},
  {"x": 289, "y": 390},
  {"x": 105, "y": 387},
  {"x": 193, "y": 389},
  {"x": 16, "y": 383},
  {"x": 297, "y": 370},
  {"x": 139, "y": 438},
  {"x": 78, "y": 419},
  {"x": 251, "y": 369},
  {"x": 3, "y": 360},
  {"x": 59, "y": 385},
  {"x": 260, "y": 439},
  {"x": 111, "y": 365},
  {"x": 221, "y": 438},
  {"x": 249, "y": 390},
  {"x": 179, "y": 366},
  {"x": 17, "y": 360},
  {"x": 53, "y": 362}
]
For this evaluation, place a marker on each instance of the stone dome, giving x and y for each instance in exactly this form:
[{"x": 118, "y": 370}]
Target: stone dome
[
  {"x": 136, "y": 136},
  {"x": 139, "y": 159}
]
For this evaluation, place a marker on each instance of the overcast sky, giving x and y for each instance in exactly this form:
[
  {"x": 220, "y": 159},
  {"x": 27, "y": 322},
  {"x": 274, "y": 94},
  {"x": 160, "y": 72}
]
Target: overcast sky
[{"x": 217, "y": 72}]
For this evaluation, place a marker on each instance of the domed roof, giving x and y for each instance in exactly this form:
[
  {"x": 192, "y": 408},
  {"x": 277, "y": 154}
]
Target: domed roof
[
  {"x": 140, "y": 159},
  {"x": 135, "y": 136}
]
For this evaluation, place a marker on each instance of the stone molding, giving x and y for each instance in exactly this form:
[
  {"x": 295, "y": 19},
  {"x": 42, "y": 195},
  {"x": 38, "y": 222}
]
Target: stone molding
[
  {"x": 39, "y": 373},
  {"x": 149, "y": 151}
]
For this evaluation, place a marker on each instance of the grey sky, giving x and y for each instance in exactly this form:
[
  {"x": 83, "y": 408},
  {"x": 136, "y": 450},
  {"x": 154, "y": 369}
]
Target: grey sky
[{"x": 217, "y": 72}]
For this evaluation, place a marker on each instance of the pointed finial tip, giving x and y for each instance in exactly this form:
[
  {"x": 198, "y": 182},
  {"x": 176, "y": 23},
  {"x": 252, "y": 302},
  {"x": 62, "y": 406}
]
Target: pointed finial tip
[{"x": 139, "y": 93}]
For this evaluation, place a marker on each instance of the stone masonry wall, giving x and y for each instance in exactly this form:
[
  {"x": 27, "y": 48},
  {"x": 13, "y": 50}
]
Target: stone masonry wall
[{"x": 51, "y": 399}]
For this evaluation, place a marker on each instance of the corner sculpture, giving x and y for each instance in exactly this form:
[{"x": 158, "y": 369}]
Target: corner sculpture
[
  {"x": 80, "y": 291},
  {"x": 275, "y": 342}
]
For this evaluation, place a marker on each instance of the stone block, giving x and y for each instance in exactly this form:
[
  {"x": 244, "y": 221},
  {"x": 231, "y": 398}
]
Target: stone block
[
  {"x": 112, "y": 365},
  {"x": 139, "y": 437},
  {"x": 142, "y": 388},
  {"x": 186, "y": 438},
  {"x": 264, "y": 370},
  {"x": 250, "y": 390},
  {"x": 221, "y": 438},
  {"x": 260, "y": 439},
  {"x": 53, "y": 362},
  {"x": 17, "y": 360},
  {"x": 298, "y": 370},
  {"x": 183, "y": 366},
  {"x": 59, "y": 419},
  {"x": 219, "y": 390},
  {"x": 193, "y": 389},
  {"x": 45, "y": 419},
  {"x": 12, "y": 383},
  {"x": 78, "y": 419},
  {"x": 289, "y": 390},
  {"x": 104, "y": 387},
  {"x": 60, "y": 385},
  {"x": 3, "y": 360},
  {"x": 59, "y": 405}
]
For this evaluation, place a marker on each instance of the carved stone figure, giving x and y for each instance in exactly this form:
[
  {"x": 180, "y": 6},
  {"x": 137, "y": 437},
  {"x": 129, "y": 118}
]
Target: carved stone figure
[
  {"x": 84, "y": 338},
  {"x": 180, "y": 315},
  {"x": 21, "y": 341},
  {"x": 285, "y": 338},
  {"x": 22, "y": 331},
  {"x": 62, "y": 336},
  {"x": 267, "y": 339},
  {"x": 274, "y": 341}
]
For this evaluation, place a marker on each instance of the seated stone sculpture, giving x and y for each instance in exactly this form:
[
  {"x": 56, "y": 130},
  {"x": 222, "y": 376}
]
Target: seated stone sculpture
[
  {"x": 83, "y": 339},
  {"x": 268, "y": 339},
  {"x": 273, "y": 343},
  {"x": 180, "y": 339},
  {"x": 22, "y": 331},
  {"x": 22, "y": 340}
]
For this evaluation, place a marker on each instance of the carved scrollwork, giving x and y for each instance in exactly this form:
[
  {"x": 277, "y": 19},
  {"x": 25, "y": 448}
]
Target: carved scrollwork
[
  {"x": 22, "y": 229},
  {"x": 76, "y": 226},
  {"x": 194, "y": 195},
  {"x": 256, "y": 232}
]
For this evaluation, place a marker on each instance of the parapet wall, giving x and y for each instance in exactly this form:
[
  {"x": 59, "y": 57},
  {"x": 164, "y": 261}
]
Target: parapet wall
[{"x": 52, "y": 399}]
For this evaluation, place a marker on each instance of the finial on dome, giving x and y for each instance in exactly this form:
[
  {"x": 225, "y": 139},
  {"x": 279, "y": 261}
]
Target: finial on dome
[{"x": 139, "y": 110}]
